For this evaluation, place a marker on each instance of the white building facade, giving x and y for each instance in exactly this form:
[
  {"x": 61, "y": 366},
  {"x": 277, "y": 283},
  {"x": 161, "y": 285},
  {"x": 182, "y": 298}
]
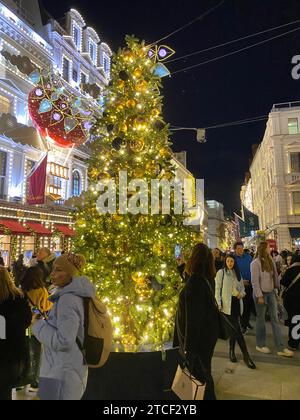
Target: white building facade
[
  {"x": 216, "y": 225},
  {"x": 76, "y": 52},
  {"x": 275, "y": 177}
]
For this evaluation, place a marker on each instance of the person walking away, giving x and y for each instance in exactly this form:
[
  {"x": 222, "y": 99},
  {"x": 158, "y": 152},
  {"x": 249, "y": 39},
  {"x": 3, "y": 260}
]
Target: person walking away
[
  {"x": 63, "y": 374},
  {"x": 17, "y": 315},
  {"x": 291, "y": 298},
  {"x": 244, "y": 261},
  {"x": 230, "y": 291},
  {"x": 218, "y": 259},
  {"x": 197, "y": 317},
  {"x": 33, "y": 287},
  {"x": 18, "y": 270},
  {"x": 45, "y": 261},
  {"x": 265, "y": 282}
]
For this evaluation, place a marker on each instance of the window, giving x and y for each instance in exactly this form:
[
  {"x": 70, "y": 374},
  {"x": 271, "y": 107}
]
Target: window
[
  {"x": 106, "y": 63},
  {"x": 296, "y": 202},
  {"x": 293, "y": 126},
  {"x": 92, "y": 51},
  {"x": 76, "y": 184},
  {"x": 65, "y": 69},
  {"x": 83, "y": 78},
  {"x": 295, "y": 162},
  {"x": 75, "y": 75},
  {"x": 4, "y": 105},
  {"x": 3, "y": 163},
  {"x": 76, "y": 36}
]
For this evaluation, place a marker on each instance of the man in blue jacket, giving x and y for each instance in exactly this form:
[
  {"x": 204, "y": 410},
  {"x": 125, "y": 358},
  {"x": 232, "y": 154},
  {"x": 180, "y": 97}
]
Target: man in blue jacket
[{"x": 244, "y": 261}]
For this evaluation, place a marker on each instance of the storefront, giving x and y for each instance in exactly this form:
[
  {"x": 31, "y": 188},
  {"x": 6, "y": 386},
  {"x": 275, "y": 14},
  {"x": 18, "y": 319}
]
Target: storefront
[
  {"x": 295, "y": 236},
  {"x": 25, "y": 230}
]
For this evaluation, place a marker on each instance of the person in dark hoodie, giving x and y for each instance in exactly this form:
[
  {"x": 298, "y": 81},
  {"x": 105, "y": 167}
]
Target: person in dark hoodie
[
  {"x": 15, "y": 310},
  {"x": 63, "y": 374},
  {"x": 197, "y": 317},
  {"x": 291, "y": 282}
]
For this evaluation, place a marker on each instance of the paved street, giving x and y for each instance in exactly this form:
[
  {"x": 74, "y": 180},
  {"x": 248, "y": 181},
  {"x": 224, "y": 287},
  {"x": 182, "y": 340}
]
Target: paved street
[{"x": 276, "y": 378}]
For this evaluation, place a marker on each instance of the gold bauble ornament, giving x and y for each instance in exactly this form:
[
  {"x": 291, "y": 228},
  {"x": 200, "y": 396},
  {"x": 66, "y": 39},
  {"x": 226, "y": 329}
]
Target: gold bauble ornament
[
  {"x": 128, "y": 55},
  {"x": 104, "y": 176},
  {"x": 140, "y": 123},
  {"x": 138, "y": 172},
  {"x": 123, "y": 128},
  {"x": 117, "y": 217},
  {"x": 137, "y": 145},
  {"x": 158, "y": 249},
  {"x": 137, "y": 73},
  {"x": 165, "y": 153},
  {"x": 120, "y": 106},
  {"x": 131, "y": 103},
  {"x": 141, "y": 86},
  {"x": 139, "y": 278},
  {"x": 156, "y": 112},
  {"x": 94, "y": 173},
  {"x": 121, "y": 84}
]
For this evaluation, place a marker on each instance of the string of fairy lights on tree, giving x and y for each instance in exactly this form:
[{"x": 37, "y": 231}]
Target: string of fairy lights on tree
[{"x": 131, "y": 257}]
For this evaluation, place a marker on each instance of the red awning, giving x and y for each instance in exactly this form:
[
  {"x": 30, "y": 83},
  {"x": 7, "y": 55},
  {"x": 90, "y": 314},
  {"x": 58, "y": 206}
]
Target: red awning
[
  {"x": 14, "y": 227},
  {"x": 65, "y": 230},
  {"x": 39, "y": 229}
]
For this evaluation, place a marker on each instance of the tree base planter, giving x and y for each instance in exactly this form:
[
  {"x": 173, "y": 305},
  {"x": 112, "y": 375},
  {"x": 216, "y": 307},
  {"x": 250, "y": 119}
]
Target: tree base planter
[{"x": 134, "y": 376}]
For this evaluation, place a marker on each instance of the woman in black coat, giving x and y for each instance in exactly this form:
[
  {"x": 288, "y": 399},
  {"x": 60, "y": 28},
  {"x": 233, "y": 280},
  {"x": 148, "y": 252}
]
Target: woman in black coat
[
  {"x": 14, "y": 309},
  {"x": 292, "y": 297},
  {"x": 197, "y": 317}
]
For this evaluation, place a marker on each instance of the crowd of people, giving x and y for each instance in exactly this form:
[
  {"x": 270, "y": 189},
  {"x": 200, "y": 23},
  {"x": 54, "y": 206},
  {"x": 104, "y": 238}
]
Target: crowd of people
[
  {"x": 43, "y": 305},
  {"x": 244, "y": 283}
]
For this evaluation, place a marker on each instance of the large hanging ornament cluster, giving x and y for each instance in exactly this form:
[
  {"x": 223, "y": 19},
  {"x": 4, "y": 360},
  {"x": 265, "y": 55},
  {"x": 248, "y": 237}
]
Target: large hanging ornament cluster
[{"x": 57, "y": 113}]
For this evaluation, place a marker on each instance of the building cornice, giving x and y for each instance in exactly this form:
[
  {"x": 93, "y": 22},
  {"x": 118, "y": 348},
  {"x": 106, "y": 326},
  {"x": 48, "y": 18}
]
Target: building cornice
[{"x": 24, "y": 35}]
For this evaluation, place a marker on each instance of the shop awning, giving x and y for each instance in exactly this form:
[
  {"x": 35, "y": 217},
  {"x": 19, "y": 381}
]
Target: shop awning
[
  {"x": 295, "y": 233},
  {"x": 14, "y": 227},
  {"x": 39, "y": 229},
  {"x": 65, "y": 230}
]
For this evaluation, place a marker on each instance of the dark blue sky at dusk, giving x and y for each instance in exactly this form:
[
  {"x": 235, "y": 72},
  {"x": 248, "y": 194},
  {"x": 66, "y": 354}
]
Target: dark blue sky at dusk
[{"x": 237, "y": 87}]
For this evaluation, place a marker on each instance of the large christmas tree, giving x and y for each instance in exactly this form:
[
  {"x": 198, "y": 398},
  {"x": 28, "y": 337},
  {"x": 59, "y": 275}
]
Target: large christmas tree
[{"x": 131, "y": 257}]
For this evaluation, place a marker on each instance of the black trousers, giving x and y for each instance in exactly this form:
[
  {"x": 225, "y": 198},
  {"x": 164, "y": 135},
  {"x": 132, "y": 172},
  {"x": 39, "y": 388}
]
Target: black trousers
[
  {"x": 235, "y": 319},
  {"x": 249, "y": 307}
]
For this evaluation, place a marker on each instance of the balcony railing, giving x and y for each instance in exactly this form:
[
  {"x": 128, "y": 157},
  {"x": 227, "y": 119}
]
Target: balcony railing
[{"x": 285, "y": 105}]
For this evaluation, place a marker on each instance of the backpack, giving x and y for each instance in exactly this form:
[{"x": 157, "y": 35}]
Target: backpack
[{"x": 98, "y": 333}]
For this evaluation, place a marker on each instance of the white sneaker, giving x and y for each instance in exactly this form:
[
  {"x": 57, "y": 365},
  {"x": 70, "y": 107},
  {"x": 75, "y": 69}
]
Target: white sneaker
[
  {"x": 286, "y": 353},
  {"x": 264, "y": 350}
]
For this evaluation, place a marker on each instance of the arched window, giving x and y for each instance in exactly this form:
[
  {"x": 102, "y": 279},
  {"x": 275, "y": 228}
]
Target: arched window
[{"x": 76, "y": 187}]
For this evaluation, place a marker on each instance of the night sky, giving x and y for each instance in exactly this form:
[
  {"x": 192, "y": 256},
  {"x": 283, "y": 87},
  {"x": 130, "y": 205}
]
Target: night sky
[{"x": 235, "y": 88}]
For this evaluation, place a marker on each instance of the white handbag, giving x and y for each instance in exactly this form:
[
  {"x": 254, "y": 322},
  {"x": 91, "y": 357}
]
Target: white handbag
[{"x": 186, "y": 387}]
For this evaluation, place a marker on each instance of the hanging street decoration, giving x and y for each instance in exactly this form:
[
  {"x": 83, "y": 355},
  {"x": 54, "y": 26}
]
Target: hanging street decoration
[{"x": 57, "y": 113}]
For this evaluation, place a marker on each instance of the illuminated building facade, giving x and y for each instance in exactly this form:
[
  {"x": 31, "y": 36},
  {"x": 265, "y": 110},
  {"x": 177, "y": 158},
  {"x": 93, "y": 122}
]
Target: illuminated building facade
[
  {"x": 31, "y": 39},
  {"x": 275, "y": 177}
]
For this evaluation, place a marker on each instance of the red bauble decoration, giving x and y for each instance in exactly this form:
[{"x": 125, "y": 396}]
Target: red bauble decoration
[{"x": 54, "y": 115}]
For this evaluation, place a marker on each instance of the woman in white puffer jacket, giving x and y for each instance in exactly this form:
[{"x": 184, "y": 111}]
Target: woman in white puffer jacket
[{"x": 230, "y": 291}]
